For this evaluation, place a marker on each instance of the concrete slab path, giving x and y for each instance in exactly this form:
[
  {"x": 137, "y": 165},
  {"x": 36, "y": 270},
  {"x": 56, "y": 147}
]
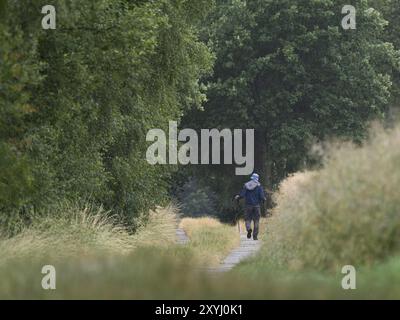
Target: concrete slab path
[{"x": 247, "y": 248}]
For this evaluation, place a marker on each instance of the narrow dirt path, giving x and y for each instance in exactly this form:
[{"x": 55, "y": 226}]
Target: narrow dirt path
[
  {"x": 247, "y": 248},
  {"x": 181, "y": 236}
]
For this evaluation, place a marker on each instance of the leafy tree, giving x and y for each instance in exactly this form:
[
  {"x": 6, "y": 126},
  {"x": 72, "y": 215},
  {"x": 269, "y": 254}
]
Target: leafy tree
[
  {"x": 390, "y": 11},
  {"x": 112, "y": 70},
  {"x": 196, "y": 200},
  {"x": 289, "y": 70},
  {"x": 18, "y": 73}
]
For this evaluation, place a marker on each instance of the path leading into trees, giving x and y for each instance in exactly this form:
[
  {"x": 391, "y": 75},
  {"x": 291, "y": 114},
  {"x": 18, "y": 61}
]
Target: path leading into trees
[
  {"x": 246, "y": 249},
  {"x": 181, "y": 236}
]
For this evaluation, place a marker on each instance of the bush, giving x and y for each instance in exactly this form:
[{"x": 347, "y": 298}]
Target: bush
[
  {"x": 346, "y": 213},
  {"x": 73, "y": 231},
  {"x": 77, "y": 105},
  {"x": 196, "y": 200}
]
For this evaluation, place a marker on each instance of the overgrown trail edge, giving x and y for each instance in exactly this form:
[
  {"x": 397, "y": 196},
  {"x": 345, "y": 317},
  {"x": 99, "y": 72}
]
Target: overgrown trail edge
[
  {"x": 181, "y": 236},
  {"x": 246, "y": 249}
]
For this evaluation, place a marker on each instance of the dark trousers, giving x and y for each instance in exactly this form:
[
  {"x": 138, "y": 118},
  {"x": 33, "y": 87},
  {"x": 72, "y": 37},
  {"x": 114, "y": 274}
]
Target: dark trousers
[{"x": 253, "y": 213}]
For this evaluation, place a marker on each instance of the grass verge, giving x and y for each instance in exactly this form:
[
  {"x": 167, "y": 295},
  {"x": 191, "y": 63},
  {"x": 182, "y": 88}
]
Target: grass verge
[
  {"x": 74, "y": 232},
  {"x": 210, "y": 240},
  {"x": 345, "y": 213}
]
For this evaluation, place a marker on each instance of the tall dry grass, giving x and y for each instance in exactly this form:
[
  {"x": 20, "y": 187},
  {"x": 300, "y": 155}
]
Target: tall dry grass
[
  {"x": 159, "y": 228},
  {"x": 210, "y": 240},
  {"x": 346, "y": 213},
  {"x": 75, "y": 231}
]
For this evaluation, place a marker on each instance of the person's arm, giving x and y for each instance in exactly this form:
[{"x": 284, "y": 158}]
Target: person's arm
[{"x": 242, "y": 194}]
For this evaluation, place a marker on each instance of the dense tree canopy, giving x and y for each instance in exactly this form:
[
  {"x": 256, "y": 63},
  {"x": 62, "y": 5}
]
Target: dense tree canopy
[
  {"x": 76, "y": 102},
  {"x": 390, "y": 11},
  {"x": 289, "y": 70}
]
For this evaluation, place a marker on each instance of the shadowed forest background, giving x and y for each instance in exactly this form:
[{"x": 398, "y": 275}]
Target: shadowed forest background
[{"x": 76, "y": 104}]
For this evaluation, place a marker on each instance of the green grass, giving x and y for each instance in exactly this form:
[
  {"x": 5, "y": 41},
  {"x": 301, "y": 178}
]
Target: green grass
[
  {"x": 348, "y": 212},
  {"x": 210, "y": 240},
  {"x": 96, "y": 257},
  {"x": 169, "y": 274}
]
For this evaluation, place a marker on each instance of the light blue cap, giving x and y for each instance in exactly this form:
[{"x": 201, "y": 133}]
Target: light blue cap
[{"x": 255, "y": 177}]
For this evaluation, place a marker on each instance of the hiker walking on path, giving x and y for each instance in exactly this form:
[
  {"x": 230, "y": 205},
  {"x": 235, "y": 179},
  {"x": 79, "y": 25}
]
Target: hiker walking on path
[{"x": 253, "y": 193}]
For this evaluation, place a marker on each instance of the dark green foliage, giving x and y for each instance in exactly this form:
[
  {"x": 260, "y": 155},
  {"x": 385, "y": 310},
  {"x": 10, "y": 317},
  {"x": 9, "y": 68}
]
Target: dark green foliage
[
  {"x": 18, "y": 73},
  {"x": 112, "y": 70},
  {"x": 390, "y": 11},
  {"x": 288, "y": 69},
  {"x": 76, "y": 102},
  {"x": 196, "y": 200}
]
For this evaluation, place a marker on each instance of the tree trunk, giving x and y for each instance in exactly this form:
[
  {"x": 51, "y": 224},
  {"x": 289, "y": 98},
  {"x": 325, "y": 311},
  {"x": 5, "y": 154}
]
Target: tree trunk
[{"x": 263, "y": 165}]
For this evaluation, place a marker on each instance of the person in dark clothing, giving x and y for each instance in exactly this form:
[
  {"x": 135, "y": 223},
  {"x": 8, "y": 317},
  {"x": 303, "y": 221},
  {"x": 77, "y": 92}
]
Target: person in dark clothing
[{"x": 253, "y": 193}]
